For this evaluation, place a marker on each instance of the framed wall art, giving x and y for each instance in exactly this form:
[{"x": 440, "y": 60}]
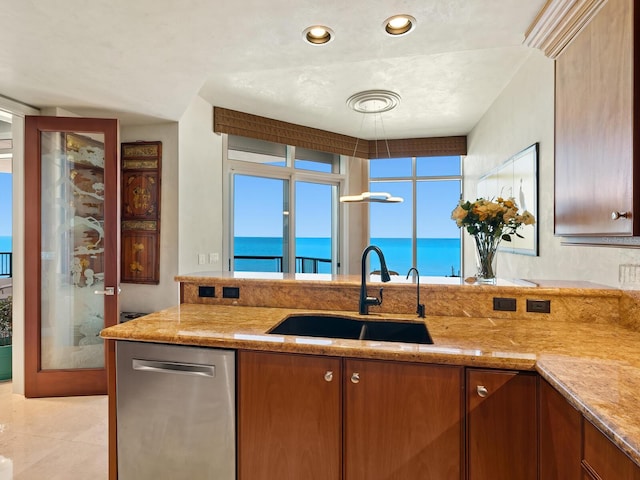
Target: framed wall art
[{"x": 517, "y": 178}]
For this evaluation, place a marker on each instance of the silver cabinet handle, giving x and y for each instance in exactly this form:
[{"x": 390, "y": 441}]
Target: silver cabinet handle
[
  {"x": 107, "y": 291},
  {"x": 482, "y": 391},
  {"x": 328, "y": 376},
  {"x": 174, "y": 367},
  {"x": 355, "y": 377},
  {"x": 617, "y": 215}
]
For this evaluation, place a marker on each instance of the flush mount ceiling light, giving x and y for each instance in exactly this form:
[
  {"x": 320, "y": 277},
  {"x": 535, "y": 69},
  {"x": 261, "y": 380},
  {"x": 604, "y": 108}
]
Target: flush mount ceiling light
[
  {"x": 317, "y": 35},
  {"x": 399, "y": 25},
  {"x": 373, "y": 101}
]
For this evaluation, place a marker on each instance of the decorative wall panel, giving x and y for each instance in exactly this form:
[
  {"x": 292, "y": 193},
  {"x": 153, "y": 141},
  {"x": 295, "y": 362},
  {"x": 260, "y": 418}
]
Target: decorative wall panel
[{"x": 140, "y": 217}]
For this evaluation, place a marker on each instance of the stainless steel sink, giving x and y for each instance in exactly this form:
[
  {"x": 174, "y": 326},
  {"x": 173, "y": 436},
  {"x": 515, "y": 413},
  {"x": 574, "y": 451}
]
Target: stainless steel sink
[{"x": 335, "y": 326}]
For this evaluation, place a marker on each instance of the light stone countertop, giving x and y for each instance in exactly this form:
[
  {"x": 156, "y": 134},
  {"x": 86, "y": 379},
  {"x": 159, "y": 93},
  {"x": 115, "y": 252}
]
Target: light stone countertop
[{"x": 595, "y": 366}]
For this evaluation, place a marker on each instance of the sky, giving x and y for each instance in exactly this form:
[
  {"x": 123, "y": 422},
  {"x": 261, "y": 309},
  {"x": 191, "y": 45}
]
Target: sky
[
  {"x": 5, "y": 204},
  {"x": 259, "y": 203}
]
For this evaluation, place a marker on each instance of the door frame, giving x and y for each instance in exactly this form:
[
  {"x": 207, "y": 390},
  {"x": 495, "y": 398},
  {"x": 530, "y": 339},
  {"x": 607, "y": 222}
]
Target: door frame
[{"x": 39, "y": 383}]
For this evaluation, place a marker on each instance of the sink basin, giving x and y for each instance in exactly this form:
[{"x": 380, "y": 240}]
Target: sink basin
[{"x": 334, "y": 326}]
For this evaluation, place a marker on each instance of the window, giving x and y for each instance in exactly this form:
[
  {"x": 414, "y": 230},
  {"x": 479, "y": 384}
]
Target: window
[
  {"x": 284, "y": 207},
  {"x": 418, "y": 232}
]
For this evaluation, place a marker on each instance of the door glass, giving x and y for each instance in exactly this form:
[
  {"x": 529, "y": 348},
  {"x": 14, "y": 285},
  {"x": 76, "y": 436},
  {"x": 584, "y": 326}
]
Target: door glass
[
  {"x": 313, "y": 227},
  {"x": 72, "y": 250},
  {"x": 260, "y": 224}
]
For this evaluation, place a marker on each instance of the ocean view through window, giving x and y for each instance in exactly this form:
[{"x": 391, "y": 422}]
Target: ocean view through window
[
  {"x": 6, "y": 207},
  {"x": 284, "y": 215},
  {"x": 444, "y": 253},
  {"x": 284, "y": 212},
  {"x": 418, "y": 232}
]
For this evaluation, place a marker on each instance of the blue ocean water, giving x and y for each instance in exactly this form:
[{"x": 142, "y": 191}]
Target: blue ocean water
[
  {"x": 5, "y": 244},
  {"x": 436, "y": 256}
]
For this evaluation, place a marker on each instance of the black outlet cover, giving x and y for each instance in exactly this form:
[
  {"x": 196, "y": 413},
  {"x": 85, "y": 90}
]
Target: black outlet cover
[
  {"x": 504, "y": 304},
  {"x": 230, "y": 292},
  {"x": 206, "y": 291},
  {"x": 539, "y": 306}
]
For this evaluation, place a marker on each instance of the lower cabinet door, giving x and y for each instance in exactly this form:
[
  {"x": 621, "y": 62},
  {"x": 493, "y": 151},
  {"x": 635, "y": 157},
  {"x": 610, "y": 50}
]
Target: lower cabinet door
[
  {"x": 402, "y": 421},
  {"x": 560, "y": 437},
  {"x": 501, "y": 425},
  {"x": 289, "y": 417},
  {"x": 603, "y": 459}
]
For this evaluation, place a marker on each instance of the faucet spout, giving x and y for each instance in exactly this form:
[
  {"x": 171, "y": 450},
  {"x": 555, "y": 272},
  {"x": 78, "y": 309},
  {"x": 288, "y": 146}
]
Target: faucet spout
[
  {"x": 365, "y": 300},
  {"x": 420, "y": 307}
]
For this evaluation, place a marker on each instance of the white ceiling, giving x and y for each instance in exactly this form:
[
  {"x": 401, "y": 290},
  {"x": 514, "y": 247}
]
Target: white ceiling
[{"x": 145, "y": 60}]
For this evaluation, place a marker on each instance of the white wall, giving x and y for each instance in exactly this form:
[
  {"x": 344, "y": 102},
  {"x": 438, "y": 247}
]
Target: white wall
[
  {"x": 18, "y": 234},
  {"x": 150, "y": 298},
  {"x": 522, "y": 115},
  {"x": 200, "y": 189},
  {"x": 17, "y": 132}
]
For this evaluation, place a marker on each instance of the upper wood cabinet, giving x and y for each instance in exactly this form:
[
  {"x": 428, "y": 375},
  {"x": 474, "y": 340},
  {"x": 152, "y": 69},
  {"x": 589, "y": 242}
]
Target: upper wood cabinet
[
  {"x": 597, "y": 187},
  {"x": 502, "y": 425}
]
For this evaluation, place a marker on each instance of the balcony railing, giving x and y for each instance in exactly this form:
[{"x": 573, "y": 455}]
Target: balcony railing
[
  {"x": 273, "y": 263},
  {"x": 6, "y": 264}
]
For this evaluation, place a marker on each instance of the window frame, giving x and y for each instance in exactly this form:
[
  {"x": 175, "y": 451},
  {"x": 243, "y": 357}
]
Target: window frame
[
  {"x": 289, "y": 173},
  {"x": 414, "y": 178}
]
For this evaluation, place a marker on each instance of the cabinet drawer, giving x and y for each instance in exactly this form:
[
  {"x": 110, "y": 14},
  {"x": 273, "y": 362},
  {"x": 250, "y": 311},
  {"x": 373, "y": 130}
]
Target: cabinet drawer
[{"x": 602, "y": 457}]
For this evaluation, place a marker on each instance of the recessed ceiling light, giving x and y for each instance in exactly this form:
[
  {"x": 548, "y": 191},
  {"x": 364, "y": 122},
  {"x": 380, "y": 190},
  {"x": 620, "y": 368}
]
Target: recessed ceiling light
[
  {"x": 317, "y": 35},
  {"x": 399, "y": 25}
]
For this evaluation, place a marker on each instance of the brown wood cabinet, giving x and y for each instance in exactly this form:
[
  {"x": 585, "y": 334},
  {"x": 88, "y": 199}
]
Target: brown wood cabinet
[
  {"x": 597, "y": 184},
  {"x": 289, "y": 417},
  {"x": 400, "y": 420},
  {"x": 559, "y": 436},
  {"x": 603, "y": 460},
  {"x": 502, "y": 425}
]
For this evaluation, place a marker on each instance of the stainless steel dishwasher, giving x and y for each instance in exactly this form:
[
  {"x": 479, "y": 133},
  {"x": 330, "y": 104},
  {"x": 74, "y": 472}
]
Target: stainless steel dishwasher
[{"x": 175, "y": 412}]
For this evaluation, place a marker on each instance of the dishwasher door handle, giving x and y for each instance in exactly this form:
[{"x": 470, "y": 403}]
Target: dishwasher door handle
[{"x": 174, "y": 367}]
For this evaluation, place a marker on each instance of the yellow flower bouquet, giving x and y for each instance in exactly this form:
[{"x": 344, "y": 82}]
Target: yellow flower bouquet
[{"x": 490, "y": 221}]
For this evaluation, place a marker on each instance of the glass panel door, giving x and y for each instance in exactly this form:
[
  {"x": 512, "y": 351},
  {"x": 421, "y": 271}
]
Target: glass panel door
[
  {"x": 72, "y": 250},
  {"x": 72, "y": 188},
  {"x": 260, "y": 224},
  {"x": 314, "y": 225}
]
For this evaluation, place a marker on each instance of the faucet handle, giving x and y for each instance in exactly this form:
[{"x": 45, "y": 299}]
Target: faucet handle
[
  {"x": 420, "y": 310},
  {"x": 380, "y": 296}
]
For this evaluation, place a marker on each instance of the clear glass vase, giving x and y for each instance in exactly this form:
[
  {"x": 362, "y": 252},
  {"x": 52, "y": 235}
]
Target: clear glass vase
[{"x": 486, "y": 258}]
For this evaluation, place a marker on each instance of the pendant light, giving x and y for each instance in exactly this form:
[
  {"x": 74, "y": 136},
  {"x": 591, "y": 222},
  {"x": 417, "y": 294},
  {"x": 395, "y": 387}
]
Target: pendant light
[{"x": 373, "y": 102}]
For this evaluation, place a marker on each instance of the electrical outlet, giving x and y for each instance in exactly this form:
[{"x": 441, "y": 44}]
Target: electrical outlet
[
  {"x": 539, "y": 306},
  {"x": 504, "y": 304},
  {"x": 230, "y": 292},
  {"x": 214, "y": 257},
  {"x": 206, "y": 291},
  {"x": 201, "y": 259}
]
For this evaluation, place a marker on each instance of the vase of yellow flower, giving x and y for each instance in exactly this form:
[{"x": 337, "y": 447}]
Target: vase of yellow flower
[{"x": 490, "y": 222}]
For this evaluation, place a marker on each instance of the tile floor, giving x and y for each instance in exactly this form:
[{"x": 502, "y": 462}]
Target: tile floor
[{"x": 52, "y": 438}]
